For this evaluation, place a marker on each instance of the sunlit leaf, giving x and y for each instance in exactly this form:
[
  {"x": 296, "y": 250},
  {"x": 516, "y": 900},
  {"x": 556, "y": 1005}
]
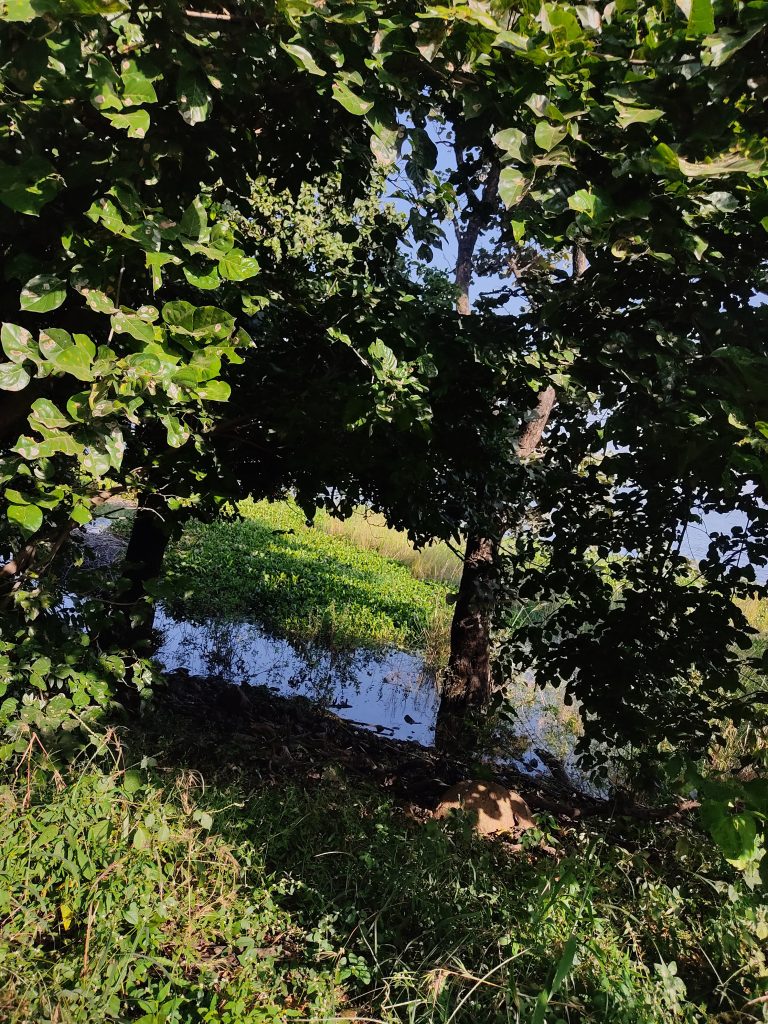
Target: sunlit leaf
[{"x": 43, "y": 293}]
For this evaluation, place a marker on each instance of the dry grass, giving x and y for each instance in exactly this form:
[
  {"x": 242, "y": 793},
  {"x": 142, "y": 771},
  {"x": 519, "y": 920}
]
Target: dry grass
[{"x": 369, "y": 531}]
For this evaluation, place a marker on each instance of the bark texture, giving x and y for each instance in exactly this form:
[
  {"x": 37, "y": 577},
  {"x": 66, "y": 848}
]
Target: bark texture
[{"x": 468, "y": 677}]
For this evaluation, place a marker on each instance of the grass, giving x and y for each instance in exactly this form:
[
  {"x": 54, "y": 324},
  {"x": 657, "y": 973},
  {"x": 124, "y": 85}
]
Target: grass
[
  {"x": 303, "y": 583},
  {"x": 368, "y": 531},
  {"x": 187, "y": 890}
]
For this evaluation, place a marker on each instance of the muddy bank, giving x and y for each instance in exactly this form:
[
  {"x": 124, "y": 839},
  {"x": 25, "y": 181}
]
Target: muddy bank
[{"x": 260, "y": 737}]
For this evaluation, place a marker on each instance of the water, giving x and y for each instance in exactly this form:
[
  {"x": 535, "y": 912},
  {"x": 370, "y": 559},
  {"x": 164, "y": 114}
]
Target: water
[{"x": 389, "y": 692}]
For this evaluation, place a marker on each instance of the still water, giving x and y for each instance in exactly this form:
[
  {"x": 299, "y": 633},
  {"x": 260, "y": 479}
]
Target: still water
[{"x": 389, "y": 692}]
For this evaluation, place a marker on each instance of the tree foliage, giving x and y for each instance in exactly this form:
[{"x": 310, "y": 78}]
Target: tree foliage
[{"x": 159, "y": 168}]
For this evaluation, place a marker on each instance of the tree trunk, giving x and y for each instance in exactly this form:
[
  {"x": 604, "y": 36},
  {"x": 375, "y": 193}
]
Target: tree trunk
[
  {"x": 468, "y": 676},
  {"x": 143, "y": 563},
  {"x": 467, "y": 680}
]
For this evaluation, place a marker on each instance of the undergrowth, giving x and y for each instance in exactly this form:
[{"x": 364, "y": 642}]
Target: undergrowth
[
  {"x": 181, "y": 891},
  {"x": 302, "y": 583}
]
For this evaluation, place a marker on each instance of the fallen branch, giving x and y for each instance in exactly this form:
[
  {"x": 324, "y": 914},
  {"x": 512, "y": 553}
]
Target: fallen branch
[{"x": 591, "y": 808}]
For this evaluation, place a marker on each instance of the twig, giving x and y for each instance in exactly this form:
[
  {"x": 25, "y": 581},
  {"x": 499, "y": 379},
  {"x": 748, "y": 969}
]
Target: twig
[
  {"x": 88, "y": 927},
  {"x": 211, "y": 15}
]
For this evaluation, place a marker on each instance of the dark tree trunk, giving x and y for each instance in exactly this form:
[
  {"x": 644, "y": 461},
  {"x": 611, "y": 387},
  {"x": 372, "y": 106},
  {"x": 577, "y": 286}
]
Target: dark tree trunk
[
  {"x": 467, "y": 680},
  {"x": 143, "y": 563},
  {"x": 468, "y": 676}
]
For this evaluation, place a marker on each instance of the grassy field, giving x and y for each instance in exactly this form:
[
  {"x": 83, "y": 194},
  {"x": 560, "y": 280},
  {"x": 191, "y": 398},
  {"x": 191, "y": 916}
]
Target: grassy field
[
  {"x": 179, "y": 888},
  {"x": 368, "y": 531},
  {"x": 304, "y": 583},
  {"x": 200, "y": 866}
]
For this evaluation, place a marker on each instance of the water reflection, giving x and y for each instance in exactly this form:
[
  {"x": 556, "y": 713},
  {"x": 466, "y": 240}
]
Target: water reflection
[{"x": 390, "y": 692}]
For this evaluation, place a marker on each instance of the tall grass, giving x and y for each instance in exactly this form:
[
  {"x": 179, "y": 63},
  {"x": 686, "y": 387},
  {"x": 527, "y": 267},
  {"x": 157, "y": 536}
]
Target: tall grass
[{"x": 369, "y": 531}]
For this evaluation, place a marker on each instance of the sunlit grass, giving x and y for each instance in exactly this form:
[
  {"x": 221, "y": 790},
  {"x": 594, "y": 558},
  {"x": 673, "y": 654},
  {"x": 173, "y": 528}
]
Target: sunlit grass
[
  {"x": 303, "y": 583},
  {"x": 369, "y": 531}
]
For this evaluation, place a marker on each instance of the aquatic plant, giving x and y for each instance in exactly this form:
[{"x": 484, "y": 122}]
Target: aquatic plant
[{"x": 304, "y": 583}]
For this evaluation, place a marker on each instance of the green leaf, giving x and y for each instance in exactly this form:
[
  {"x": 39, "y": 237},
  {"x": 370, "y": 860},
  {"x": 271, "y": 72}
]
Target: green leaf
[
  {"x": 206, "y": 282},
  {"x": 584, "y": 202},
  {"x": 205, "y": 820},
  {"x": 22, "y": 10},
  {"x": 194, "y": 97},
  {"x": 27, "y": 187},
  {"x": 133, "y": 781},
  {"x": 513, "y": 185},
  {"x": 13, "y": 377},
  {"x": 43, "y": 293},
  {"x": 137, "y": 86},
  {"x": 727, "y": 41},
  {"x": 195, "y": 220},
  {"x": 114, "y": 446},
  {"x": 540, "y": 1009},
  {"x": 80, "y": 514},
  {"x": 98, "y": 301},
  {"x": 97, "y": 462},
  {"x": 75, "y": 361},
  {"x": 177, "y": 433},
  {"x": 17, "y": 343},
  {"x": 140, "y": 839},
  {"x": 46, "y": 414},
  {"x": 236, "y": 266},
  {"x": 511, "y": 140},
  {"x": 734, "y": 833},
  {"x": 136, "y": 123},
  {"x": 350, "y": 101},
  {"x": 215, "y": 391},
  {"x": 155, "y": 262},
  {"x": 387, "y": 134},
  {"x": 303, "y": 58},
  {"x": 135, "y": 326},
  {"x": 198, "y": 321},
  {"x": 636, "y": 115},
  {"x": 548, "y": 135},
  {"x": 665, "y": 161},
  {"x": 179, "y": 314},
  {"x": 28, "y": 517},
  {"x": 564, "y": 965},
  {"x": 701, "y": 20}
]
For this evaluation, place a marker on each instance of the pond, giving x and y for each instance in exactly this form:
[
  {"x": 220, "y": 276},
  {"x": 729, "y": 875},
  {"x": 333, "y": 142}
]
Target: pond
[{"x": 390, "y": 692}]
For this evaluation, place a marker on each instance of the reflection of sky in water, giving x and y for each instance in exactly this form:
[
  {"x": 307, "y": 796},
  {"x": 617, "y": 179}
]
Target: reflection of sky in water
[{"x": 390, "y": 691}]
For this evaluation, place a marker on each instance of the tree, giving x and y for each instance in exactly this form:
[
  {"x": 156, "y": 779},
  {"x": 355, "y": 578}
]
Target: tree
[
  {"x": 134, "y": 139},
  {"x": 131, "y": 141},
  {"x": 644, "y": 172}
]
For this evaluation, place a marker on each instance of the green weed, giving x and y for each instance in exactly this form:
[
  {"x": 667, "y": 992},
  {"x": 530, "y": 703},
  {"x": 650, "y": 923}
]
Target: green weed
[
  {"x": 305, "y": 584},
  {"x": 197, "y": 894}
]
